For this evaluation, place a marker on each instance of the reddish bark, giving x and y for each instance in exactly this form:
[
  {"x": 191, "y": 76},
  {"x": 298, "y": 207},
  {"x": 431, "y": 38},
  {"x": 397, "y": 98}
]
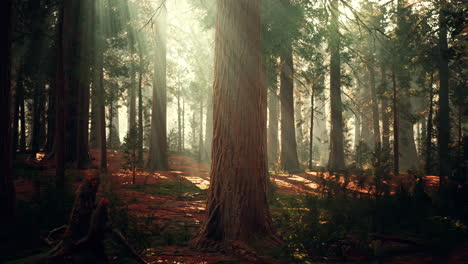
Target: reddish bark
[
  {"x": 288, "y": 157},
  {"x": 336, "y": 159},
  {"x": 157, "y": 158},
  {"x": 237, "y": 207}
]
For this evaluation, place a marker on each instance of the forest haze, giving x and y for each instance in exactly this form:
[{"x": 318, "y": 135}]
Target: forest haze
[{"x": 233, "y": 131}]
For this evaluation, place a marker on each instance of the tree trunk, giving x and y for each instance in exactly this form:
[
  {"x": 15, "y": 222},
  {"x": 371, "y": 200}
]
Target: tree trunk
[
  {"x": 132, "y": 88},
  {"x": 200, "y": 133},
  {"x": 444, "y": 108},
  {"x": 237, "y": 207},
  {"x": 430, "y": 127},
  {"x": 17, "y": 104},
  {"x": 385, "y": 114},
  {"x": 209, "y": 125},
  {"x": 336, "y": 159},
  {"x": 375, "y": 110},
  {"x": 49, "y": 147},
  {"x": 289, "y": 160},
  {"x": 71, "y": 62},
  {"x": 102, "y": 114},
  {"x": 273, "y": 115},
  {"x": 179, "y": 121},
  {"x": 7, "y": 188},
  {"x": 311, "y": 130},
  {"x": 60, "y": 101},
  {"x": 82, "y": 155},
  {"x": 22, "y": 139},
  {"x": 36, "y": 140},
  {"x": 183, "y": 124},
  {"x": 396, "y": 165},
  {"x": 298, "y": 124},
  {"x": 140, "y": 112},
  {"x": 157, "y": 158}
]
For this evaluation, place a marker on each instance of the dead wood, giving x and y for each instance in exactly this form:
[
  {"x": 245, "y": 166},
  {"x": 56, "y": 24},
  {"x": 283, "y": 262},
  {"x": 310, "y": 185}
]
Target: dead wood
[{"x": 82, "y": 240}]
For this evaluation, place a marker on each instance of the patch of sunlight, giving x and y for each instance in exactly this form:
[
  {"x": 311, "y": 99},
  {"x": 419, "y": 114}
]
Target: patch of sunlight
[
  {"x": 298, "y": 178},
  {"x": 40, "y": 155},
  {"x": 199, "y": 182},
  {"x": 313, "y": 173},
  {"x": 283, "y": 174},
  {"x": 282, "y": 183},
  {"x": 312, "y": 185},
  {"x": 176, "y": 172}
]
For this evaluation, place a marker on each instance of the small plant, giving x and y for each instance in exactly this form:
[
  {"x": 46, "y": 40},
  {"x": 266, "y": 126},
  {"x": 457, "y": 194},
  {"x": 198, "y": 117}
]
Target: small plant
[{"x": 129, "y": 147}]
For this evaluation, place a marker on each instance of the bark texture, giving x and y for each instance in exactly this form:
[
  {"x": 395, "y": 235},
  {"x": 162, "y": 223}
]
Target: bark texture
[
  {"x": 237, "y": 207},
  {"x": 336, "y": 159},
  {"x": 288, "y": 157},
  {"x": 444, "y": 109},
  {"x": 157, "y": 158}
]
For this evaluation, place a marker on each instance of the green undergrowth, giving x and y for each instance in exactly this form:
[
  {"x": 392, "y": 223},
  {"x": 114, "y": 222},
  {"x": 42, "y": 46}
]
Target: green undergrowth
[
  {"x": 181, "y": 190},
  {"x": 317, "y": 228}
]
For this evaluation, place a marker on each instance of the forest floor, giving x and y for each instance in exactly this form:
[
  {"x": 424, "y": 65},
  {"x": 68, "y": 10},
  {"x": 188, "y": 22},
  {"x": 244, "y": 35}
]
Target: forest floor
[{"x": 164, "y": 209}]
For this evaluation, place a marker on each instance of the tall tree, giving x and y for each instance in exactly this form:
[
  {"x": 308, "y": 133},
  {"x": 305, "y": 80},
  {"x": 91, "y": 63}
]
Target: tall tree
[
  {"x": 237, "y": 207},
  {"x": 288, "y": 157},
  {"x": 444, "y": 109},
  {"x": 273, "y": 113},
  {"x": 82, "y": 146},
  {"x": 336, "y": 159},
  {"x": 157, "y": 159},
  {"x": 59, "y": 141},
  {"x": 7, "y": 189}
]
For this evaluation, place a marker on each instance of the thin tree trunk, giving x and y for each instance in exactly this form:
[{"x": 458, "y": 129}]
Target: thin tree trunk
[
  {"x": 375, "y": 110},
  {"x": 36, "y": 119},
  {"x": 200, "y": 134},
  {"x": 179, "y": 121},
  {"x": 273, "y": 142},
  {"x": 183, "y": 124},
  {"x": 49, "y": 147},
  {"x": 289, "y": 160},
  {"x": 237, "y": 207},
  {"x": 157, "y": 158},
  {"x": 430, "y": 127},
  {"x": 396, "y": 155},
  {"x": 17, "y": 111},
  {"x": 209, "y": 125},
  {"x": 102, "y": 117},
  {"x": 311, "y": 131},
  {"x": 140, "y": 112},
  {"x": 22, "y": 139},
  {"x": 385, "y": 115},
  {"x": 94, "y": 131},
  {"x": 336, "y": 159}
]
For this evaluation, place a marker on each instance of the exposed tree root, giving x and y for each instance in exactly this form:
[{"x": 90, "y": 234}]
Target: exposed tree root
[{"x": 82, "y": 240}]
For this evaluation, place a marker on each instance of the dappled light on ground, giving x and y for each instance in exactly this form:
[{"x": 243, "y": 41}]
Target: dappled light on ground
[{"x": 171, "y": 204}]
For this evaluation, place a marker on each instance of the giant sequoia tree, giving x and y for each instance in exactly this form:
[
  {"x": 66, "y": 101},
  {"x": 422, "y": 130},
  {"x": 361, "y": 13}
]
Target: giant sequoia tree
[{"x": 237, "y": 207}]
